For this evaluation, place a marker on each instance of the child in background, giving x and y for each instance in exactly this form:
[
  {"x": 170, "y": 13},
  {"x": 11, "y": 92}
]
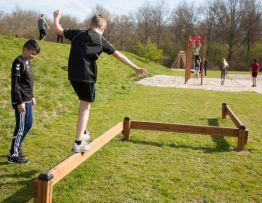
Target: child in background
[
  {"x": 254, "y": 69},
  {"x": 223, "y": 69}
]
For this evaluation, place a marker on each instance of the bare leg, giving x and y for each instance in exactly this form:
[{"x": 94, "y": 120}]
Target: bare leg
[{"x": 83, "y": 115}]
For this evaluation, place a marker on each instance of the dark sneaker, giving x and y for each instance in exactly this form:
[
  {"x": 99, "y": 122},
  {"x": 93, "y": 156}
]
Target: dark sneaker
[
  {"x": 21, "y": 154},
  {"x": 18, "y": 160}
]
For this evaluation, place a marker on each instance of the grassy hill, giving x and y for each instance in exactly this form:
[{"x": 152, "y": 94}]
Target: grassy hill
[{"x": 153, "y": 166}]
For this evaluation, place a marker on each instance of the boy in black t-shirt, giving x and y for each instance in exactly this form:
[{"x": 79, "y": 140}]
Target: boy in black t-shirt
[
  {"x": 22, "y": 99},
  {"x": 86, "y": 46}
]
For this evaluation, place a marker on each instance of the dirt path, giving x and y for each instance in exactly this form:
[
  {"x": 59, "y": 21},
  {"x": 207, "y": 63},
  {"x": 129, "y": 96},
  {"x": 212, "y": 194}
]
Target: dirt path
[{"x": 233, "y": 83}]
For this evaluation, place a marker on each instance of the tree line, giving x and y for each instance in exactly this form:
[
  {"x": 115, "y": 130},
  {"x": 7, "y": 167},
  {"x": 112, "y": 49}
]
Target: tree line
[{"x": 231, "y": 28}]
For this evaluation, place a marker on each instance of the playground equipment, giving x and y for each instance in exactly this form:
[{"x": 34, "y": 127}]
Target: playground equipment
[
  {"x": 184, "y": 58},
  {"x": 43, "y": 186},
  {"x": 180, "y": 61}
]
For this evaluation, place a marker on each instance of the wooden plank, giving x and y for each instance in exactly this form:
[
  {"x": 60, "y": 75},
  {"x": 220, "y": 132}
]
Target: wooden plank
[
  {"x": 69, "y": 164},
  {"x": 184, "y": 128},
  {"x": 234, "y": 117}
]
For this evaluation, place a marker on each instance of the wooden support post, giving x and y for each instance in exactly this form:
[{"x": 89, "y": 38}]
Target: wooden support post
[
  {"x": 224, "y": 110},
  {"x": 241, "y": 140},
  {"x": 246, "y": 137},
  {"x": 203, "y": 57},
  {"x": 44, "y": 188},
  {"x": 126, "y": 129}
]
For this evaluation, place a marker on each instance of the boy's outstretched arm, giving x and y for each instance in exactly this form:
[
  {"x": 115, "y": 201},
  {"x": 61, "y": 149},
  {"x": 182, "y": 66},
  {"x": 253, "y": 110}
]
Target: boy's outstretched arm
[
  {"x": 58, "y": 28},
  {"x": 121, "y": 57}
]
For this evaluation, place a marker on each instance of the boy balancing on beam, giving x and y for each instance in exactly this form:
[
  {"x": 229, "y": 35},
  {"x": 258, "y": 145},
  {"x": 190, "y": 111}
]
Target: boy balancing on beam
[{"x": 86, "y": 46}]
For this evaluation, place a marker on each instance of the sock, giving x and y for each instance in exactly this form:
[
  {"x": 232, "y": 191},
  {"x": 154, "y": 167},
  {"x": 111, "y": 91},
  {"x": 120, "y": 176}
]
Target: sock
[{"x": 78, "y": 142}]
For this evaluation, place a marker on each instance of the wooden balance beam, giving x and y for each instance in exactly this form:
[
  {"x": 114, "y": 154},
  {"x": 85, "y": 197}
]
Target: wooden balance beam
[
  {"x": 240, "y": 132},
  {"x": 43, "y": 186}
]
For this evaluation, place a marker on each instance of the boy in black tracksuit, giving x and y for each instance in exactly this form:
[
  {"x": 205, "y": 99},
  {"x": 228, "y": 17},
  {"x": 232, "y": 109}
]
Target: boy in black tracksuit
[
  {"x": 22, "y": 95},
  {"x": 86, "y": 46}
]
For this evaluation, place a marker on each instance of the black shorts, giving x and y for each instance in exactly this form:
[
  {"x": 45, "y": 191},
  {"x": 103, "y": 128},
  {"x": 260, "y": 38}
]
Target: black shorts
[
  {"x": 85, "y": 91},
  {"x": 254, "y": 75}
]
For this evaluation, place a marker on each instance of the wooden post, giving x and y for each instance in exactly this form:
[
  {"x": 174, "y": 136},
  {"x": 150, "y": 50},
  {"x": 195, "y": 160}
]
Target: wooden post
[
  {"x": 202, "y": 64},
  {"x": 44, "y": 188},
  {"x": 246, "y": 137},
  {"x": 126, "y": 129},
  {"x": 224, "y": 110},
  {"x": 241, "y": 140}
]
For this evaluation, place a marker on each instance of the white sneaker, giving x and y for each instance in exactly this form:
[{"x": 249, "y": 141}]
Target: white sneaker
[
  {"x": 83, "y": 147},
  {"x": 86, "y": 136}
]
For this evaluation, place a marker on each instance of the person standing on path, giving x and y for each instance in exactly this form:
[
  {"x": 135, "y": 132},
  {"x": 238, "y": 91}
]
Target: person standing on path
[
  {"x": 254, "y": 69},
  {"x": 223, "y": 69}
]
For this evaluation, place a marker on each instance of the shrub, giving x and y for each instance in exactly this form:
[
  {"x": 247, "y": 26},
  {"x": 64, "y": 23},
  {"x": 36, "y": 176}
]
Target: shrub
[{"x": 149, "y": 51}]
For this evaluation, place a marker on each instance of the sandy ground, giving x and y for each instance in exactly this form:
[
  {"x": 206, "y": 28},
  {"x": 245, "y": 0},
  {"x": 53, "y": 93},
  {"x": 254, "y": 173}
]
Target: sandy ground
[{"x": 233, "y": 83}]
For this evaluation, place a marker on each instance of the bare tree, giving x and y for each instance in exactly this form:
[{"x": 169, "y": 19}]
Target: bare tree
[
  {"x": 251, "y": 23},
  {"x": 230, "y": 16},
  {"x": 2, "y": 17},
  {"x": 145, "y": 23},
  {"x": 69, "y": 21},
  {"x": 183, "y": 19},
  {"x": 160, "y": 18},
  {"x": 124, "y": 27},
  {"x": 208, "y": 24},
  {"x": 110, "y": 18}
]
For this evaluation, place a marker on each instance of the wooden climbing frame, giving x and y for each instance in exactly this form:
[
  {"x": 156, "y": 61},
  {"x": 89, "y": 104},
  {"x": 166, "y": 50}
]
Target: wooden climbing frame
[{"x": 189, "y": 54}]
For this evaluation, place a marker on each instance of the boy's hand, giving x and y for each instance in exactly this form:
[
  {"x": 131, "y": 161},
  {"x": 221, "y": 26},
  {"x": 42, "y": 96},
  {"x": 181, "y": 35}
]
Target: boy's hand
[
  {"x": 21, "y": 107},
  {"x": 33, "y": 102},
  {"x": 141, "y": 72},
  {"x": 57, "y": 14}
]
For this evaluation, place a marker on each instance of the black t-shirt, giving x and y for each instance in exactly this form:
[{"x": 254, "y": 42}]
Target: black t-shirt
[
  {"x": 86, "y": 46},
  {"x": 22, "y": 81}
]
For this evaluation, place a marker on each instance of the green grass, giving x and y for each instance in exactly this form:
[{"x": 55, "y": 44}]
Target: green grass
[{"x": 153, "y": 166}]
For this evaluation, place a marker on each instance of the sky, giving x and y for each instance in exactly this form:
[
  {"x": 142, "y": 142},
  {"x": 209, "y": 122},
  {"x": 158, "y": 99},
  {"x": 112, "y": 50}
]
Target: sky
[{"x": 81, "y": 8}]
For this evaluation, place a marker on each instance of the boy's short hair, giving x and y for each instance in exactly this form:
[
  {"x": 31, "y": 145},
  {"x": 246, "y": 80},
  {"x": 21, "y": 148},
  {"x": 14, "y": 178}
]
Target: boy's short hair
[
  {"x": 255, "y": 60},
  {"x": 98, "y": 21},
  {"x": 32, "y": 45}
]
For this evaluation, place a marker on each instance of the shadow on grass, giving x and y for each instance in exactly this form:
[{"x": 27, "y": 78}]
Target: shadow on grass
[
  {"x": 220, "y": 141},
  {"x": 221, "y": 144},
  {"x": 25, "y": 194},
  {"x": 157, "y": 144}
]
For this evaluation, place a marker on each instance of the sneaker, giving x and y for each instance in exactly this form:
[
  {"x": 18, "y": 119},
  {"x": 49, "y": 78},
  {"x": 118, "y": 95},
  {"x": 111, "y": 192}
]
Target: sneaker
[
  {"x": 83, "y": 147},
  {"x": 86, "y": 136},
  {"x": 17, "y": 160},
  {"x": 21, "y": 154}
]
